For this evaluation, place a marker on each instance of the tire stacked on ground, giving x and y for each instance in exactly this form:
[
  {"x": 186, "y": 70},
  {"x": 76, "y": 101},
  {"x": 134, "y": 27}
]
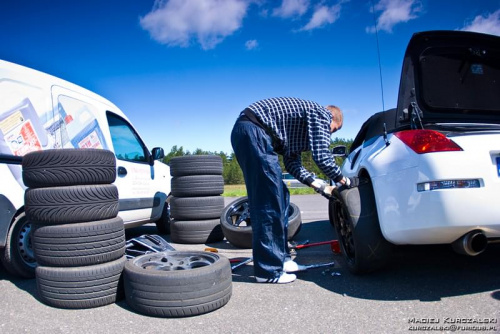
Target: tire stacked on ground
[
  {"x": 78, "y": 239},
  {"x": 196, "y": 203},
  {"x": 177, "y": 284}
]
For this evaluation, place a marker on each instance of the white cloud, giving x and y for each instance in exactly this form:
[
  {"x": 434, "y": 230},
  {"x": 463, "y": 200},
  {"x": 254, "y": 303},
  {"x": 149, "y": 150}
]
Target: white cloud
[
  {"x": 394, "y": 12},
  {"x": 291, "y": 8},
  {"x": 178, "y": 22},
  {"x": 322, "y": 16},
  {"x": 489, "y": 24},
  {"x": 251, "y": 44}
]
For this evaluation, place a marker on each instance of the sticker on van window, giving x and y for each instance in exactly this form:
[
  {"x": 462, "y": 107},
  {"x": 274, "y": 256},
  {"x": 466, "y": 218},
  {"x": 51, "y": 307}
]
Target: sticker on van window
[
  {"x": 79, "y": 128},
  {"x": 20, "y": 130}
]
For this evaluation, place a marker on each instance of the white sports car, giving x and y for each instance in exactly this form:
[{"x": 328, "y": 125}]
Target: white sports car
[{"x": 429, "y": 169}]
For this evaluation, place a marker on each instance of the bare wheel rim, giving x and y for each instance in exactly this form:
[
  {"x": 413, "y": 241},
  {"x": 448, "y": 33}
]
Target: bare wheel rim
[
  {"x": 25, "y": 247},
  {"x": 172, "y": 261},
  {"x": 239, "y": 214},
  {"x": 344, "y": 231}
]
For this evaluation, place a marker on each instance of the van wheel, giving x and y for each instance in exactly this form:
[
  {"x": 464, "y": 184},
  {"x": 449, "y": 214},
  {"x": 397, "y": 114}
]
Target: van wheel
[
  {"x": 67, "y": 167},
  {"x": 18, "y": 256},
  {"x": 71, "y": 204},
  {"x": 354, "y": 215},
  {"x": 163, "y": 224},
  {"x": 196, "y": 165},
  {"x": 236, "y": 223},
  {"x": 81, "y": 244},
  {"x": 177, "y": 284}
]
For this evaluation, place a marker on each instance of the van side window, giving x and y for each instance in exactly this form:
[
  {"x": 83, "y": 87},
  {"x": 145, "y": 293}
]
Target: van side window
[{"x": 126, "y": 142}]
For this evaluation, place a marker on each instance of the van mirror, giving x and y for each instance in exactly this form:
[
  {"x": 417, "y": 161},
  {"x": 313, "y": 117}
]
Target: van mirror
[
  {"x": 339, "y": 151},
  {"x": 157, "y": 153}
]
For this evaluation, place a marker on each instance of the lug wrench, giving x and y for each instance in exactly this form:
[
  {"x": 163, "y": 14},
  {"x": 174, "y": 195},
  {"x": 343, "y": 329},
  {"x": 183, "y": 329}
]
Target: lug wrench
[
  {"x": 334, "y": 245},
  {"x": 239, "y": 264}
]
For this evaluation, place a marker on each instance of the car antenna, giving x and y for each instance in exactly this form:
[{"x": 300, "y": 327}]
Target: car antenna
[
  {"x": 387, "y": 141},
  {"x": 378, "y": 54}
]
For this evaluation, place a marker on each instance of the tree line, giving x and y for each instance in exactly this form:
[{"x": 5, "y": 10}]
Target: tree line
[{"x": 231, "y": 171}]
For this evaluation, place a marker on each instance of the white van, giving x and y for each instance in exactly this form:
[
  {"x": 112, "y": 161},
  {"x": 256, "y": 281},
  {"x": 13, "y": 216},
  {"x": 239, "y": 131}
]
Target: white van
[{"x": 38, "y": 112}]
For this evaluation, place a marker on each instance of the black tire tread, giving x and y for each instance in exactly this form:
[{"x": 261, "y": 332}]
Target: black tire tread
[
  {"x": 67, "y": 167},
  {"x": 80, "y": 244},
  {"x": 178, "y": 293},
  {"x": 196, "y": 208},
  {"x": 71, "y": 204},
  {"x": 372, "y": 250},
  {"x": 80, "y": 287},
  {"x": 196, "y": 232},
  {"x": 196, "y": 165},
  {"x": 197, "y": 185}
]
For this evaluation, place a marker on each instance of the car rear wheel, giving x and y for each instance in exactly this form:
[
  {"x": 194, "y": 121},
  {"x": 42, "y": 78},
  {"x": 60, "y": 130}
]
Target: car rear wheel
[{"x": 353, "y": 213}]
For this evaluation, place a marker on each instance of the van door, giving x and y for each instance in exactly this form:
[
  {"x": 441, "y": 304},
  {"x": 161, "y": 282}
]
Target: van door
[{"x": 139, "y": 199}]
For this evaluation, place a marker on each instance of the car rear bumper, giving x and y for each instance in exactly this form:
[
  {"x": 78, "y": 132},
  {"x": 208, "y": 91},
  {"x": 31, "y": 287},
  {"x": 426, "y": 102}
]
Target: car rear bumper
[{"x": 409, "y": 216}]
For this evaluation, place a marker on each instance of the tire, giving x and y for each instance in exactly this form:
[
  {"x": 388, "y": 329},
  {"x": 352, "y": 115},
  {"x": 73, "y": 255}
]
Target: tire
[
  {"x": 71, "y": 204},
  {"x": 236, "y": 223},
  {"x": 81, "y": 244},
  {"x": 177, "y": 284},
  {"x": 196, "y": 165},
  {"x": 18, "y": 257},
  {"x": 68, "y": 167},
  {"x": 354, "y": 215},
  {"x": 163, "y": 224},
  {"x": 196, "y": 208},
  {"x": 80, "y": 287},
  {"x": 196, "y": 232},
  {"x": 197, "y": 185}
]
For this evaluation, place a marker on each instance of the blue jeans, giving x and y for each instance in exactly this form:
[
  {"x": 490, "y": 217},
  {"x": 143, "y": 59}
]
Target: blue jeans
[{"x": 268, "y": 197}]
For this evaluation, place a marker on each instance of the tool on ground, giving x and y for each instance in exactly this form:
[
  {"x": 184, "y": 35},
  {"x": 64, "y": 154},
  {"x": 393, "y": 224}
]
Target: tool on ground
[
  {"x": 241, "y": 262},
  {"x": 318, "y": 265},
  {"x": 334, "y": 245},
  {"x": 146, "y": 244}
]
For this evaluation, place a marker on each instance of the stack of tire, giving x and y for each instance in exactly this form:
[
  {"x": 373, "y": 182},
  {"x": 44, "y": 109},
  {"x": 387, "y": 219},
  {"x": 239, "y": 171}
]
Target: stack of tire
[
  {"x": 196, "y": 203},
  {"x": 78, "y": 240}
]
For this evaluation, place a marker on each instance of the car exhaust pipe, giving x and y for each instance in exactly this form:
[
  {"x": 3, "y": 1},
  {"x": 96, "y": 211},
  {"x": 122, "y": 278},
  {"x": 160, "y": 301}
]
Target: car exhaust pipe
[{"x": 472, "y": 243}]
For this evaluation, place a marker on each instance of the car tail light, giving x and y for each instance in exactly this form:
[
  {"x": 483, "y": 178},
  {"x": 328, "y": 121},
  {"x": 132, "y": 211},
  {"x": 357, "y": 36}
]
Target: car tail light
[
  {"x": 427, "y": 141},
  {"x": 448, "y": 184}
]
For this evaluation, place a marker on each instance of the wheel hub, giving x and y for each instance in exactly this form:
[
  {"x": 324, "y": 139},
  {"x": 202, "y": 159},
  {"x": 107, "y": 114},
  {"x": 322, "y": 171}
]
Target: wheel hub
[{"x": 25, "y": 247}]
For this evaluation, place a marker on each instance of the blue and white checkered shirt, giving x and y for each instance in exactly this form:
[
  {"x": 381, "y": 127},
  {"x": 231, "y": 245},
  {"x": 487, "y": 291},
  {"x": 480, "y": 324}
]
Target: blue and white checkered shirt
[{"x": 297, "y": 126}]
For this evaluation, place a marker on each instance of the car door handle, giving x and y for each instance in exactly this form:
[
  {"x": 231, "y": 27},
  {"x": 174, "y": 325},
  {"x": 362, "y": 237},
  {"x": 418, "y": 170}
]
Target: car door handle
[{"x": 122, "y": 171}]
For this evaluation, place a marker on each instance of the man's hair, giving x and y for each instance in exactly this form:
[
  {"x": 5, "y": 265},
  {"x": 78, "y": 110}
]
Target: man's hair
[{"x": 336, "y": 113}]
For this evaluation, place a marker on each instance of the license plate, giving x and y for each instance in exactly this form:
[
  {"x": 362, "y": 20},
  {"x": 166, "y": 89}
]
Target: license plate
[{"x": 498, "y": 165}]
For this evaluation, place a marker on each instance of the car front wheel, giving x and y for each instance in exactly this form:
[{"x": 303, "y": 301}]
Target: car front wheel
[{"x": 353, "y": 213}]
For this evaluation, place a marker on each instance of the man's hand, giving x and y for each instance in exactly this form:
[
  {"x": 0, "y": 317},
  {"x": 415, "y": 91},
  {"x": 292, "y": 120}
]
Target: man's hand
[
  {"x": 349, "y": 182},
  {"x": 323, "y": 188}
]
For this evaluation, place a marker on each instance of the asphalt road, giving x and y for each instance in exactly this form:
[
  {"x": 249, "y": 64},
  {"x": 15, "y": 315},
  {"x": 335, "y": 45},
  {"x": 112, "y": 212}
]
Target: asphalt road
[{"x": 423, "y": 286}]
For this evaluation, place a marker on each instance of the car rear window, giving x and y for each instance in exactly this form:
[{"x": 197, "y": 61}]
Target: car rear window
[{"x": 464, "y": 79}]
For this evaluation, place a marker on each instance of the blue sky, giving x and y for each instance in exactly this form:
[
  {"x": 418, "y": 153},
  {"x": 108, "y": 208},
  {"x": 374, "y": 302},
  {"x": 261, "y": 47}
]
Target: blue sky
[{"x": 182, "y": 70}]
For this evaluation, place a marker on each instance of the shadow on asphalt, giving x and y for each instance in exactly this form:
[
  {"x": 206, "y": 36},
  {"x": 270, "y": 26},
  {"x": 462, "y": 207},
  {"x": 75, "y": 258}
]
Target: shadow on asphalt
[{"x": 425, "y": 273}]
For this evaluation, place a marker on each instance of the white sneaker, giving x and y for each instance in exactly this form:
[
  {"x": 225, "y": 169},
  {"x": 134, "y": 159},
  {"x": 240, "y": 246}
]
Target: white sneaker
[
  {"x": 283, "y": 279},
  {"x": 291, "y": 266}
]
